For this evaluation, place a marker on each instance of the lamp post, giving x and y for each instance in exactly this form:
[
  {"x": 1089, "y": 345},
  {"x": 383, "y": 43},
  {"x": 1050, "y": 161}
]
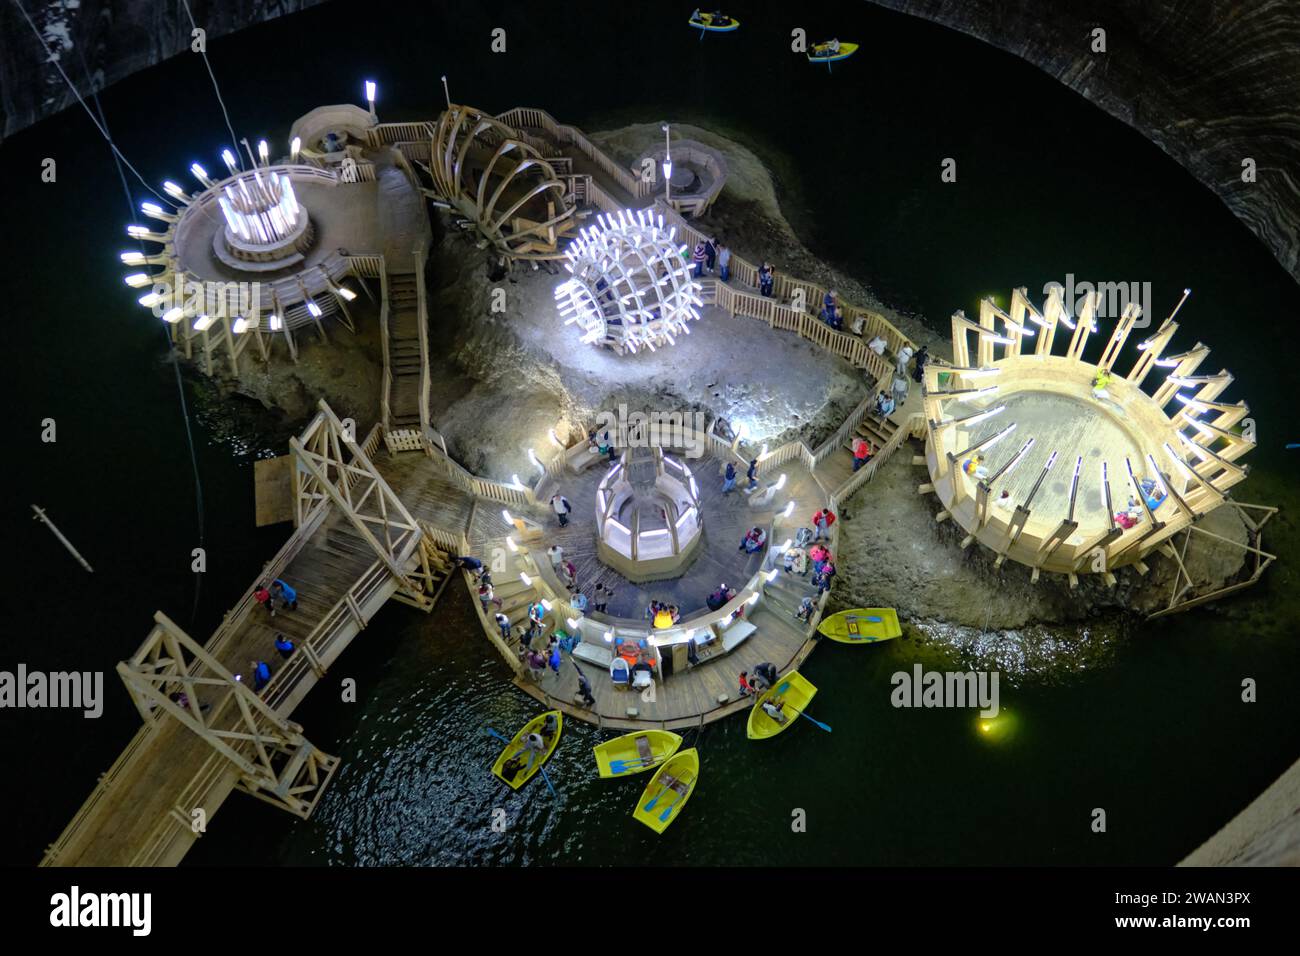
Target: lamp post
[
  {"x": 370, "y": 98},
  {"x": 668, "y": 167}
]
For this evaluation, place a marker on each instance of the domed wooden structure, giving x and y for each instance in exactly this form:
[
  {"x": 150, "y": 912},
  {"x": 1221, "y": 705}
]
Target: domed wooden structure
[{"x": 490, "y": 175}]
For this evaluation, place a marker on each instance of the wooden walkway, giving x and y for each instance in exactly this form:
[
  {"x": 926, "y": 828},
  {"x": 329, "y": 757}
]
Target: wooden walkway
[{"x": 140, "y": 812}]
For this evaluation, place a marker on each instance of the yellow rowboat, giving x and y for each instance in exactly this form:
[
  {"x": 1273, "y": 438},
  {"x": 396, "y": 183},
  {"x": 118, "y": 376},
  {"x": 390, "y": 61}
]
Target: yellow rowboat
[
  {"x": 862, "y": 625},
  {"x": 635, "y": 753},
  {"x": 793, "y": 692},
  {"x": 818, "y": 54},
  {"x": 663, "y": 798},
  {"x": 705, "y": 22},
  {"x": 525, "y": 762}
]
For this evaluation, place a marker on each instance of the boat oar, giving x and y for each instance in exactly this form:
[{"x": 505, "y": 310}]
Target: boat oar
[
  {"x": 668, "y": 810},
  {"x": 493, "y": 733},
  {"x": 622, "y": 766},
  {"x": 663, "y": 788},
  {"x": 786, "y": 686}
]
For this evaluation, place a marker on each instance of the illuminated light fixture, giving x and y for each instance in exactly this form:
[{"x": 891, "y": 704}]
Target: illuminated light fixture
[
  {"x": 771, "y": 575},
  {"x": 785, "y": 545},
  {"x": 173, "y": 315},
  {"x": 788, "y": 509},
  {"x": 510, "y": 543},
  {"x": 1169, "y": 362},
  {"x": 609, "y": 636},
  {"x": 274, "y": 323},
  {"x": 240, "y": 325},
  {"x": 555, "y": 438},
  {"x": 150, "y": 299},
  {"x": 754, "y": 599},
  {"x": 630, "y": 287},
  {"x": 144, "y": 233},
  {"x": 203, "y": 323},
  {"x": 523, "y": 576},
  {"x": 1160, "y": 479},
  {"x": 155, "y": 211},
  {"x": 514, "y": 480},
  {"x": 295, "y": 147},
  {"x": 507, "y": 517},
  {"x": 532, "y": 456},
  {"x": 763, "y": 451},
  {"x": 171, "y": 189},
  {"x": 1197, "y": 450},
  {"x": 1187, "y": 469},
  {"x": 313, "y": 308},
  {"x": 546, "y": 603},
  {"x": 201, "y": 174},
  {"x": 345, "y": 293},
  {"x": 263, "y": 152},
  {"x": 231, "y": 162},
  {"x": 572, "y": 622},
  {"x": 371, "y": 90},
  {"x": 780, "y": 482},
  {"x": 138, "y": 280},
  {"x": 260, "y": 209}
]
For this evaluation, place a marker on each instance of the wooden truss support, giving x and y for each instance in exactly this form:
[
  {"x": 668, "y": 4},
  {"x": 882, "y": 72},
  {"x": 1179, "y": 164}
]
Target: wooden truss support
[
  {"x": 172, "y": 675},
  {"x": 333, "y": 467}
]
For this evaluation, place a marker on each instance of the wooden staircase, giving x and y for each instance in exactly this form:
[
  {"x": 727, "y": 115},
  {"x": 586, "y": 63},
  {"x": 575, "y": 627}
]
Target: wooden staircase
[{"x": 405, "y": 363}]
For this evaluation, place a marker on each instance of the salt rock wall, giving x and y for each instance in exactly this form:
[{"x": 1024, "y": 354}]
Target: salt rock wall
[
  {"x": 102, "y": 41},
  {"x": 1211, "y": 82}
]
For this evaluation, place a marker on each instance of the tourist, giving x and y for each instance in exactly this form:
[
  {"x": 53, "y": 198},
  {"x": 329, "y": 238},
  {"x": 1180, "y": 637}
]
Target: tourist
[
  {"x": 675, "y": 612},
  {"x": 710, "y": 255},
  {"x": 729, "y": 478},
  {"x": 261, "y": 675},
  {"x": 752, "y": 474},
  {"x": 758, "y": 683},
  {"x": 818, "y": 555},
  {"x": 822, "y": 521},
  {"x": 974, "y": 467},
  {"x": 922, "y": 358},
  {"x": 904, "y": 356},
  {"x": 579, "y": 601},
  {"x": 570, "y": 575},
  {"x": 823, "y": 578},
  {"x": 1099, "y": 383},
  {"x": 503, "y": 622},
  {"x": 899, "y": 389},
  {"x": 536, "y": 622},
  {"x": 534, "y": 746},
  {"x": 560, "y": 505},
  {"x": 467, "y": 563},
  {"x": 861, "y": 452},
  {"x": 697, "y": 257},
  {"x": 829, "y": 302},
  {"x": 724, "y": 261},
  {"x": 536, "y": 665},
  {"x": 877, "y": 345},
  {"x": 753, "y": 541},
  {"x": 772, "y": 707},
  {"x": 766, "y": 278},
  {"x": 584, "y": 686},
  {"x": 663, "y": 617},
  {"x": 487, "y": 596},
  {"x": 603, "y": 594},
  {"x": 182, "y": 700},
  {"x": 803, "y": 537},
  {"x": 720, "y": 597},
  {"x": 284, "y": 646},
  {"x": 263, "y": 597},
  {"x": 884, "y": 405},
  {"x": 555, "y": 659},
  {"x": 744, "y": 684},
  {"x": 1004, "y": 501},
  {"x": 806, "y": 610},
  {"x": 837, "y": 319},
  {"x": 767, "y": 671},
  {"x": 1126, "y": 520},
  {"x": 556, "y": 554},
  {"x": 795, "y": 561},
  {"x": 286, "y": 594}
]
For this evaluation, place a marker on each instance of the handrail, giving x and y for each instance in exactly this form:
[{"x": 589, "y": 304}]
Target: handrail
[
  {"x": 423, "y": 320},
  {"x": 385, "y": 408}
]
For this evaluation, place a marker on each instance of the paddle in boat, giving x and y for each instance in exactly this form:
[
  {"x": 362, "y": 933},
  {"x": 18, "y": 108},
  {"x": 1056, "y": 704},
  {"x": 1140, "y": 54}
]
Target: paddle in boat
[
  {"x": 716, "y": 22},
  {"x": 831, "y": 52},
  {"x": 862, "y": 625},
  {"x": 635, "y": 753},
  {"x": 518, "y": 762},
  {"x": 791, "y": 694},
  {"x": 667, "y": 793}
]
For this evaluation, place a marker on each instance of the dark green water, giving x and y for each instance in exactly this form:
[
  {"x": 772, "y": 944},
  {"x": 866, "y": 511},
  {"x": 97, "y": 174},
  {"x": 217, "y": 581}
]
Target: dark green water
[{"x": 1155, "y": 733}]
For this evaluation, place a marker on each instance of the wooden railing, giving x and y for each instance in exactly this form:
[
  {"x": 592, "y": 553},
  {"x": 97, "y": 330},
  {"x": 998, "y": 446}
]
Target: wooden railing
[
  {"x": 390, "y": 134},
  {"x": 366, "y": 267},
  {"x": 532, "y": 118},
  {"x": 423, "y": 319},
  {"x": 886, "y": 451},
  {"x": 386, "y": 389},
  {"x": 468, "y": 482}
]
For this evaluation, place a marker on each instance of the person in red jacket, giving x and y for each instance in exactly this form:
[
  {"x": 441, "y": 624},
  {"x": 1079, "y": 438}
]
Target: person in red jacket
[
  {"x": 822, "y": 521},
  {"x": 861, "y": 452}
]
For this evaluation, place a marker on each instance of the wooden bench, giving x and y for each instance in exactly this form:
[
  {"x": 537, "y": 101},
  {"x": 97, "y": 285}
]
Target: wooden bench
[
  {"x": 736, "y": 633},
  {"x": 594, "y": 654}
]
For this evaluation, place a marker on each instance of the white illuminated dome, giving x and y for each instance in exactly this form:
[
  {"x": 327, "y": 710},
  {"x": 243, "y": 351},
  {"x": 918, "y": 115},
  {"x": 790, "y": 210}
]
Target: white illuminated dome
[{"x": 631, "y": 284}]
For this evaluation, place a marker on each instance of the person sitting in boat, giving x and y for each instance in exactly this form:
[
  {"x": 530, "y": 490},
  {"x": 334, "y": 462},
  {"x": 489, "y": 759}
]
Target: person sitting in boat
[
  {"x": 549, "y": 726},
  {"x": 719, "y": 19},
  {"x": 773, "y": 708},
  {"x": 696, "y": 17},
  {"x": 510, "y": 769},
  {"x": 830, "y": 47}
]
